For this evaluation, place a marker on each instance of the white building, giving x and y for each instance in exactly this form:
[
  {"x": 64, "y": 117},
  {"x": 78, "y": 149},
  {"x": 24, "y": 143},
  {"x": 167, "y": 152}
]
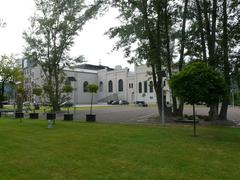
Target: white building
[{"x": 114, "y": 84}]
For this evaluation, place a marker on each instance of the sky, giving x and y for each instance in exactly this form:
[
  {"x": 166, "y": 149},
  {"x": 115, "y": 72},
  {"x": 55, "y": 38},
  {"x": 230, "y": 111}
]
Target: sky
[{"x": 91, "y": 42}]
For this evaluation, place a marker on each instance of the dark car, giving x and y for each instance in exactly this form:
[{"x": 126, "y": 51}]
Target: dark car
[
  {"x": 109, "y": 101},
  {"x": 123, "y": 102},
  {"x": 115, "y": 102},
  {"x": 141, "y": 103}
]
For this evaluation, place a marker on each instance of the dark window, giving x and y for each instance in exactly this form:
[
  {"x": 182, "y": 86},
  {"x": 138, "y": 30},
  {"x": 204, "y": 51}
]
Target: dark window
[
  {"x": 120, "y": 85},
  {"x": 151, "y": 87},
  {"x": 145, "y": 86},
  {"x": 140, "y": 87},
  {"x": 101, "y": 86},
  {"x": 85, "y": 84},
  {"x": 110, "y": 86},
  {"x": 130, "y": 85}
]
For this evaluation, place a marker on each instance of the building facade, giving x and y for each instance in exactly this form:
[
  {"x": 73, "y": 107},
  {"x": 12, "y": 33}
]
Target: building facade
[{"x": 114, "y": 84}]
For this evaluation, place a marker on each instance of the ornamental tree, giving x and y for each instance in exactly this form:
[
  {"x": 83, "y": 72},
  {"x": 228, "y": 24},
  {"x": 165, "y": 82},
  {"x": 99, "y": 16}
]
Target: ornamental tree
[
  {"x": 198, "y": 83},
  {"x": 92, "y": 88}
]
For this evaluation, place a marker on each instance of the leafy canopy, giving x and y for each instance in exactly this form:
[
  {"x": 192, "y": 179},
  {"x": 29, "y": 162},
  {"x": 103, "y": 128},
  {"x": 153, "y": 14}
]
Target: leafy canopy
[
  {"x": 198, "y": 83},
  {"x": 92, "y": 88}
]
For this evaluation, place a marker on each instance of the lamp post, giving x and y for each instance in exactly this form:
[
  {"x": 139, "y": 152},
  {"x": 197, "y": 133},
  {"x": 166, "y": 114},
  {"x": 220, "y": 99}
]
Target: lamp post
[{"x": 163, "y": 74}]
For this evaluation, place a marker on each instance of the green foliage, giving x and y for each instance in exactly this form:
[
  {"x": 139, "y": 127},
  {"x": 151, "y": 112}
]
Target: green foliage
[
  {"x": 198, "y": 83},
  {"x": 92, "y": 88},
  {"x": 37, "y": 91},
  {"x": 50, "y": 38},
  {"x": 68, "y": 89}
]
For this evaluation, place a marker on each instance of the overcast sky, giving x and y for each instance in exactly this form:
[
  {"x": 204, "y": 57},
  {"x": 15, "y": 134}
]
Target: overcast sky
[{"x": 92, "y": 43}]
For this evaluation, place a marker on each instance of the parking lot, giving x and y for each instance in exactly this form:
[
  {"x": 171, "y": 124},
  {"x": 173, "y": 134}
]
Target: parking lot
[{"x": 136, "y": 114}]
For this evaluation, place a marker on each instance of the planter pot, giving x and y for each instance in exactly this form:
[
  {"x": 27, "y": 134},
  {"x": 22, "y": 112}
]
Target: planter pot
[
  {"x": 91, "y": 117},
  {"x": 19, "y": 115},
  {"x": 51, "y": 116},
  {"x": 68, "y": 117},
  {"x": 33, "y": 115}
]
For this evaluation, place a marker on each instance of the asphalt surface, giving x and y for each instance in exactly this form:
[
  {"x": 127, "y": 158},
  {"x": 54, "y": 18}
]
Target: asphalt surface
[{"x": 136, "y": 114}]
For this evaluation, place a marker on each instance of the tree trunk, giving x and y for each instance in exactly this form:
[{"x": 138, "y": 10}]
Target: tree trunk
[
  {"x": 194, "y": 121},
  {"x": 179, "y": 111},
  {"x": 213, "y": 112},
  {"x": 225, "y": 103},
  {"x": 201, "y": 28},
  {"x": 2, "y": 94},
  {"x": 91, "y": 104}
]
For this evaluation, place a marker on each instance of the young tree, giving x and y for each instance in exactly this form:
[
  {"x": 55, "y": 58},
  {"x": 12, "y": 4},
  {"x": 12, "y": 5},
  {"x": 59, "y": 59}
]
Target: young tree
[
  {"x": 68, "y": 89},
  {"x": 92, "y": 88},
  {"x": 198, "y": 83},
  {"x": 50, "y": 38},
  {"x": 8, "y": 72}
]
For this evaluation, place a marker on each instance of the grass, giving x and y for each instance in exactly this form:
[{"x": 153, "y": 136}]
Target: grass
[
  {"x": 48, "y": 108},
  {"x": 29, "y": 150}
]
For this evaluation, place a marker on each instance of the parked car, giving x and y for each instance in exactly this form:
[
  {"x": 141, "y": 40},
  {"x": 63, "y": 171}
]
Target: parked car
[
  {"x": 123, "y": 102},
  {"x": 141, "y": 103},
  {"x": 5, "y": 102},
  {"x": 109, "y": 101},
  {"x": 67, "y": 104},
  {"x": 115, "y": 102}
]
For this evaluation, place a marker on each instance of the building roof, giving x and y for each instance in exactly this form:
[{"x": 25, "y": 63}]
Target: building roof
[{"x": 93, "y": 67}]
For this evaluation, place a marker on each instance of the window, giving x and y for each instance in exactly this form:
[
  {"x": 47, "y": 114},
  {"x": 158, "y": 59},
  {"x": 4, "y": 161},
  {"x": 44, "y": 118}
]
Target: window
[
  {"x": 130, "y": 85},
  {"x": 110, "y": 86},
  {"x": 145, "y": 86},
  {"x": 101, "y": 86},
  {"x": 140, "y": 87},
  {"x": 120, "y": 85},
  {"x": 85, "y": 84},
  {"x": 151, "y": 87}
]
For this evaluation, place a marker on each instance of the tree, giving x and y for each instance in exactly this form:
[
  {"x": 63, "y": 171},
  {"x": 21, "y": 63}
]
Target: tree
[
  {"x": 50, "y": 38},
  {"x": 8, "y": 72},
  {"x": 92, "y": 88},
  {"x": 18, "y": 84},
  {"x": 68, "y": 89},
  {"x": 146, "y": 25},
  {"x": 198, "y": 83},
  {"x": 37, "y": 91}
]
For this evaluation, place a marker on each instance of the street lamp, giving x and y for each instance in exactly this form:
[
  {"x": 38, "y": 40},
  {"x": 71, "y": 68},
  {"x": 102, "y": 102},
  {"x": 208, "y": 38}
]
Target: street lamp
[{"x": 163, "y": 74}]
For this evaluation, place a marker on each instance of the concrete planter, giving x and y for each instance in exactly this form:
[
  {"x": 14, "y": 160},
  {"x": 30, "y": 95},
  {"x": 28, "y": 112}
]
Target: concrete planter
[
  {"x": 90, "y": 117},
  {"x": 51, "y": 116},
  {"x": 19, "y": 115},
  {"x": 68, "y": 117},
  {"x": 33, "y": 115}
]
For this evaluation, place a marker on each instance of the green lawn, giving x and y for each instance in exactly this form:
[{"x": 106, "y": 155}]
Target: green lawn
[
  {"x": 48, "y": 108},
  {"x": 29, "y": 150}
]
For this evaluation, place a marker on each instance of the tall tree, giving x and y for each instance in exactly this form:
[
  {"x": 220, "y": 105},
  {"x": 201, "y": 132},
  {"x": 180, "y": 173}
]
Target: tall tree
[
  {"x": 146, "y": 24},
  {"x": 51, "y": 36},
  {"x": 226, "y": 65}
]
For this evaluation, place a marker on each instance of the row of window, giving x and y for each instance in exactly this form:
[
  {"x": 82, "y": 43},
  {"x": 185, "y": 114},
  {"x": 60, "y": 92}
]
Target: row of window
[
  {"x": 120, "y": 86},
  {"x": 145, "y": 87}
]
